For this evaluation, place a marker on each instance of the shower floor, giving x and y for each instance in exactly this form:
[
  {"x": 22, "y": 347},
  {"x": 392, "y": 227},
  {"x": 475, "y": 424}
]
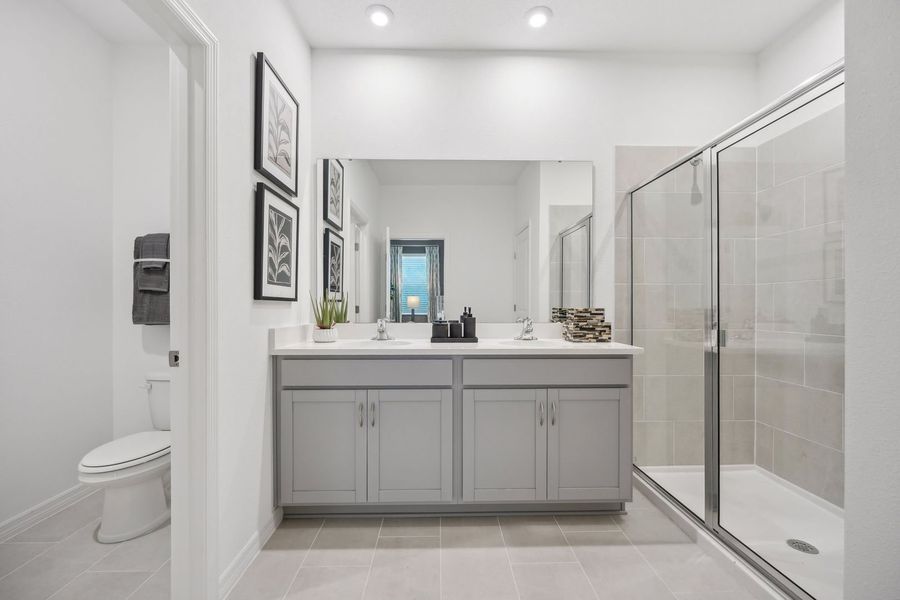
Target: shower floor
[{"x": 764, "y": 511}]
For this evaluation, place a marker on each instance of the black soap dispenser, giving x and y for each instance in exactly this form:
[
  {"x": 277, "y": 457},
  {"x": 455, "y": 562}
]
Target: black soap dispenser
[{"x": 468, "y": 321}]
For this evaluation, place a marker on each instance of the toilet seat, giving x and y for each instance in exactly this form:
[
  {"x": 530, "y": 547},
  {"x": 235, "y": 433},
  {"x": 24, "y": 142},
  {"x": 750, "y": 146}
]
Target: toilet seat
[{"x": 127, "y": 452}]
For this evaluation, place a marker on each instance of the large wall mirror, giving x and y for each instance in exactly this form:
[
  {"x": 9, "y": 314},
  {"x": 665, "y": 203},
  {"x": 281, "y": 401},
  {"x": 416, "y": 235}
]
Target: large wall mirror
[{"x": 424, "y": 237}]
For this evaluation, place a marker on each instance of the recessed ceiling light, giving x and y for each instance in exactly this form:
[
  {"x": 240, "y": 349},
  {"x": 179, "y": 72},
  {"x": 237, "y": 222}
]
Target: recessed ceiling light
[
  {"x": 380, "y": 15},
  {"x": 538, "y": 16}
]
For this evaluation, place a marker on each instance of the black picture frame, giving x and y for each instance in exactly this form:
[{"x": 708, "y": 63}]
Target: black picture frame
[
  {"x": 273, "y": 170},
  {"x": 330, "y": 166},
  {"x": 269, "y": 203},
  {"x": 332, "y": 240}
]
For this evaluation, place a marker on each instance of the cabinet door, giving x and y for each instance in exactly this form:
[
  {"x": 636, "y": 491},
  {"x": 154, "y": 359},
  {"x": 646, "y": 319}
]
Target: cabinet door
[
  {"x": 323, "y": 446},
  {"x": 504, "y": 445},
  {"x": 583, "y": 447},
  {"x": 410, "y": 445}
]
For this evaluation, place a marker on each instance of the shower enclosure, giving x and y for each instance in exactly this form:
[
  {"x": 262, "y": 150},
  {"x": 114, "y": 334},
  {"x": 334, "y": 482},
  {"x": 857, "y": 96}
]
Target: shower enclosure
[{"x": 735, "y": 283}]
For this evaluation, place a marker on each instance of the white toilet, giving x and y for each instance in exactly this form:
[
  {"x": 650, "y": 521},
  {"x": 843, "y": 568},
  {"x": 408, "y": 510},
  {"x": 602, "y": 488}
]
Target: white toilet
[{"x": 132, "y": 470}]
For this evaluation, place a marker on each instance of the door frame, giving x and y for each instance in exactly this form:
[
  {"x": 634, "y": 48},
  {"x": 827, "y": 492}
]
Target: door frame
[{"x": 194, "y": 327}]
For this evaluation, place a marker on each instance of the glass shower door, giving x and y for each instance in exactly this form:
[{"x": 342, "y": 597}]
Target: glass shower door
[
  {"x": 780, "y": 293},
  {"x": 670, "y": 292}
]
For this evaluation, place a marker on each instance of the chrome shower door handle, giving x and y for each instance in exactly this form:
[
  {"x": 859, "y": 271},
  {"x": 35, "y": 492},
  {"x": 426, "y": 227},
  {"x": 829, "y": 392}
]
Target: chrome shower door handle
[
  {"x": 541, "y": 413},
  {"x": 372, "y": 413}
]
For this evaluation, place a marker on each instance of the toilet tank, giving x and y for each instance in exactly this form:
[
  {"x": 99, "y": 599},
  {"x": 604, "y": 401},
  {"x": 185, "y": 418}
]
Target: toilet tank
[{"x": 158, "y": 395}]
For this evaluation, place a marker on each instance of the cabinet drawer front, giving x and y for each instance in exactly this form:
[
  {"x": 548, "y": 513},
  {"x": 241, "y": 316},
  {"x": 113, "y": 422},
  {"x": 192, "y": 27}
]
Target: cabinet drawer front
[
  {"x": 345, "y": 373},
  {"x": 547, "y": 371}
]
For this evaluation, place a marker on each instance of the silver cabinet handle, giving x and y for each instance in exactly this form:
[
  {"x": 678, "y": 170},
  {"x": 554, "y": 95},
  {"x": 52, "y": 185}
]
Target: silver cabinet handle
[
  {"x": 372, "y": 413},
  {"x": 362, "y": 414},
  {"x": 553, "y": 413},
  {"x": 541, "y": 412}
]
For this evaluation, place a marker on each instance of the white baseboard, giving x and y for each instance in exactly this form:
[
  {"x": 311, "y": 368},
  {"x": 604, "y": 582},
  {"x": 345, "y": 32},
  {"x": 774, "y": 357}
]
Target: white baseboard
[
  {"x": 16, "y": 524},
  {"x": 755, "y": 583},
  {"x": 233, "y": 572}
]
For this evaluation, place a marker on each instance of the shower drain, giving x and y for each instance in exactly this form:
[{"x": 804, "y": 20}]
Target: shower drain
[{"x": 802, "y": 546}]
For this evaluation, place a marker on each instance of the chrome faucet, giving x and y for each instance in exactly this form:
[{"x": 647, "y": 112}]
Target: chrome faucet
[
  {"x": 527, "y": 329},
  {"x": 381, "y": 332}
]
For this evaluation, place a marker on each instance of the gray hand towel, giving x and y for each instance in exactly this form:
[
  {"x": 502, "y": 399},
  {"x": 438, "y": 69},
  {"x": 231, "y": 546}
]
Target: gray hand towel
[
  {"x": 150, "y": 304},
  {"x": 154, "y": 274}
]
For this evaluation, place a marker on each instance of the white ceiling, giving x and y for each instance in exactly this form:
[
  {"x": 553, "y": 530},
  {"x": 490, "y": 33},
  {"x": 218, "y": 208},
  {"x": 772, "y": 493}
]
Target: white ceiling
[
  {"x": 579, "y": 25},
  {"x": 113, "y": 20},
  {"x": 447, "y": 172}
]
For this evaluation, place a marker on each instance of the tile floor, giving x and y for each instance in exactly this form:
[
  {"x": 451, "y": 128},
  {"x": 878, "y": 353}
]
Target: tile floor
[
  {"x": 638, "y": 556},
  {"x": 59, "y": 558}
]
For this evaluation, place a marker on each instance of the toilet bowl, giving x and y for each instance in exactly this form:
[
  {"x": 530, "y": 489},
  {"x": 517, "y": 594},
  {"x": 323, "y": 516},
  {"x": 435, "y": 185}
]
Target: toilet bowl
[{"x": 131, "y": 470}]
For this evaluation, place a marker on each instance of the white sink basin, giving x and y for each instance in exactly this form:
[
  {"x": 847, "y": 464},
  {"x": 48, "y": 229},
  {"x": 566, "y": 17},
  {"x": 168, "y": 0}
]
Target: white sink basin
[{"x": 532, "y": 343}]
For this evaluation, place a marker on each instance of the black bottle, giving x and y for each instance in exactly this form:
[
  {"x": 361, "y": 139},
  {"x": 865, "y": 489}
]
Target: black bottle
[{"x": 468, "y": 321}]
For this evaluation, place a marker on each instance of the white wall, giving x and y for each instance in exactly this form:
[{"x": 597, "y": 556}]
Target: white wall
[
  {"x": 476, "y": 224},
  {"x": 140, "y": 180},
  {"x": 872, "y": 528},
  {"x": 245, "y": 388},
  {"x": 806, "y": 48},
  {"x": 55, "y": 240},
  {"x": 526, "y": 106}
]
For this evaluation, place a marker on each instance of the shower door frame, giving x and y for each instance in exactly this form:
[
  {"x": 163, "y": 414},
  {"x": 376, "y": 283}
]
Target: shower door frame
[{"x": 811, "y": 90}]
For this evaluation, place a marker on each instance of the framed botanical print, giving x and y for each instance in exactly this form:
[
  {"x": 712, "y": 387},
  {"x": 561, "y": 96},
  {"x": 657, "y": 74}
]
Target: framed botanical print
[
  {"x": 275, "y": 246},
  {"x": 333, "y": 200},
  {"x": 333, "y": 251},
  {"x": 277, "y": 128}
]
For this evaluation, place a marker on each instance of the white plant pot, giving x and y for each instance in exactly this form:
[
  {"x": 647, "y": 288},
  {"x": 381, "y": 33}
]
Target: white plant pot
[{"x": 324, "y": 336}]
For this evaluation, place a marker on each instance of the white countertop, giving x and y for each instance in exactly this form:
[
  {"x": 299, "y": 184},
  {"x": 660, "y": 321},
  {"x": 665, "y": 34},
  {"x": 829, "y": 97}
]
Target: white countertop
[{"x": 300, "y": 345}]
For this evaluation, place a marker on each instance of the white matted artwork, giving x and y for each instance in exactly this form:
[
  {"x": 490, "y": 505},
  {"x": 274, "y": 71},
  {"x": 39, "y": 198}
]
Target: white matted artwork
[
  {"x": 333, "y": 200},
  {"x": 275, "y": 247},
  {"x": 333, "y": 251},
  {"x": 277, "y": 128}
]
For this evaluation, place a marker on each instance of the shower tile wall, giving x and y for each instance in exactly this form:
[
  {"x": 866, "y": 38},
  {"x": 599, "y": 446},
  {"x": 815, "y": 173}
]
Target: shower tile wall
[
  {"x": 800, "y": 306},
  {"x": 669, "y": 271}
]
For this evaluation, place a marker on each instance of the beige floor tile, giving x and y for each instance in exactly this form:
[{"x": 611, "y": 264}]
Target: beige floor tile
[
  {"x": 535, "y": 540},
  {"x": 470, "y": 532},
  {"x": 411, "y": 527},
  {"x": 570, "y": 523},
  {"x": 616, "y": 568},
  {"x": 552, "y": 582},
  {"x": 102, "y": 586},
  {"x": 294, "y": 534},
  {"x": 14, "y": 555},
  {"x": 146, "y": 553},
  {"x": 158, "y": 587},
  {"x": 476, "y": 573},
  {"x": 344, "y": 543},
  {"x": 65, "y": 522},
  {"x": 651, "y": 526},
  {"x": 328, "y": 583},
  {"x": 405, "y": 569},
  {"x": 687, "y": 569},
  {"x": 270, "y": 575},
  {"x": 55, "y": 568}
]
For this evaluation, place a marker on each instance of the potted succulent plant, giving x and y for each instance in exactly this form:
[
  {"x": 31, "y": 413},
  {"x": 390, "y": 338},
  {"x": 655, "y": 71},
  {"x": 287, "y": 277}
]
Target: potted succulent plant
[{"x": 328, "y": 312}]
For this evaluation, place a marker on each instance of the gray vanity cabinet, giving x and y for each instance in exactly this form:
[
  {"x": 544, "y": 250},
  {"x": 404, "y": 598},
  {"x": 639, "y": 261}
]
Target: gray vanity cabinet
[
  {"x": 323, "y": 457},
  {"x": 410, "y": 443},
  {"x": 584, "y": 449},
  {"x": 504, "y": 445}
]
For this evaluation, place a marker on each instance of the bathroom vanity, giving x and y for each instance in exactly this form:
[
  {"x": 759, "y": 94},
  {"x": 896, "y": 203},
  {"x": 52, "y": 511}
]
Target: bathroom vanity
[{"x": 409, "y": 426}]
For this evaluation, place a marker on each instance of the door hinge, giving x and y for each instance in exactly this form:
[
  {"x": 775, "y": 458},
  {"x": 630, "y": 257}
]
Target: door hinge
[
  {"x": 174, "y": 358},
  {"x": 357, "y": 309},
  {"x": 515, "y": 307},
  {"x": 356, "y": 246}
]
